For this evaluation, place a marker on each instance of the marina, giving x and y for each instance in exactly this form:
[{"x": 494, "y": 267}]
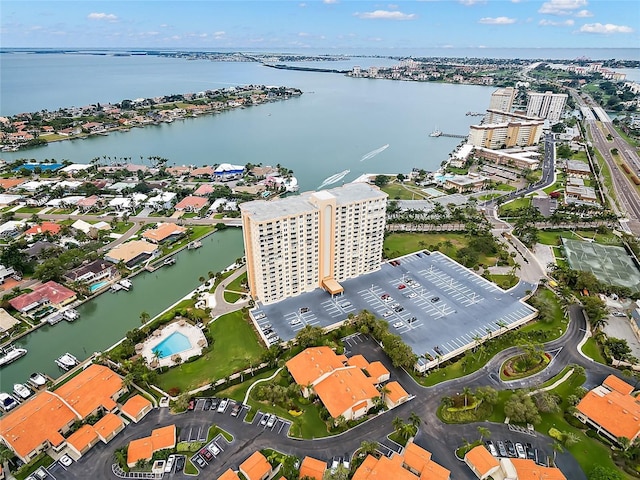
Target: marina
[
  {"x": 11, "y": 354},
  {"x": 37, "y": 379},
  {"x": 22, "y": 391},
  {"x": 66, "y": 361},
  {"x": 7, "y": 402}
]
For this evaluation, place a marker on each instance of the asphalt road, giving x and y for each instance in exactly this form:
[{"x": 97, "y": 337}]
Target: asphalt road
[{"x": 438, "y": 438}]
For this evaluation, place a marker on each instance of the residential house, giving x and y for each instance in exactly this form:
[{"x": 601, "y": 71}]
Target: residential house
[
  {"x": 90, "y": 229},
  {"x": 11, "y": 229},
  {"x": 11, "y": 183},
  {"x": 162, "y": 201},
  {"x": 36, "y": 250},
  {"x": 81, "y": 441},
  {"x": 7, "y": 321},
  {"x": 89, "y": 204},
  {"x": 144, "y": 448},
  {"x": 312, "y": 468},
  {"x": 8, "y": 199},
  {"x": 202, "y": 172},
  {"x": 49, "y": 293},
  {"x": 204, "y": 190},
  {"x": 578, "y": 168},
  {"x": 226, "y": 172},
  {"x": 229, "y": 475},
  {"x": 191, "y": 204},
  {"x": 484, "y": 466},
  {"x": 414, "y": 463},
  {"x": 612, "y": 410},
  {"x": 136, "y": 408},
  {"x": 394, "y": 394},
  {"x": 481, "y": 462},
  {"x": 45, "y": 227},
  {"x": 108, "y": 427},
  {"x": 93, "y": 272},
  {"x": 6, "y": 273},
  {"x": 133, "y": 252},
  {"x": 256, "y": 467},
  {"x": 164, "y": 233}
]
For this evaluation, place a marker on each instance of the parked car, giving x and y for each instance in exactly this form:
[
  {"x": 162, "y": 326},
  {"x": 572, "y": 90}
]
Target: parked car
[
  {"x": 304, "y": 309},
  {"x": 213, "y": 448},
  {"x": 491, "y": 447},
  {"x": 235, "y": 410},
  {"x": 411, "y": 320},
  {"x": 435, "y": 299},
  {"x": 511, "y": 450},
  {"x": 266, "y": 326},
  {"x": 180, "y": 463},
  {"x": 192, "y": 404},
  {"x": 501, "y": 449},
  {"x": 66, "y": 460},
  {"x": 401, "y": 286},
  {"x": 200, "y": 461},
  {"x": 223, "y": 405},
  {"x": 206, "y": 454},
  {"x": 388, "y": 313},
  {"x": 214, "y": 404},
  {"x": 398, "y": 324},
  {"x": 264, "y": 419},
  {"x": 399, "y": 309},
  {"x": 520, "y": 451},
  {"x": 345, "y": 304},
  {"x": 168, "y": 467},
  {"x": 618, "y": 314},
  {"x": 272, "y": 421},
  {"x": 412, "y": 295}
]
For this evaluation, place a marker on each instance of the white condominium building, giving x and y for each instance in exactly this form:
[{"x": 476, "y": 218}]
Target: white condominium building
[
  {"x": 316, "y": 239},
  {"x": 502, "y": 99},
  {"x": 506, "y": 135},
  {"x": 546, "y": 105}
]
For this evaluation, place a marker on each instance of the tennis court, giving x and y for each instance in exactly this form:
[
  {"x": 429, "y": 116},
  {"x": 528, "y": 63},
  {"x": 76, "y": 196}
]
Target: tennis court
[{"x": 610, "y": 264}]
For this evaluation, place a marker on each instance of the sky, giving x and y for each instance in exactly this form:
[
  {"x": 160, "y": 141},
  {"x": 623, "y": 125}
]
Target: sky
[{"x": 328, "y": 25}]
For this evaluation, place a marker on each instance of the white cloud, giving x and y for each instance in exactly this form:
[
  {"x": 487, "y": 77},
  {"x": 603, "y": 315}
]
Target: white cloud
[
  {"x": 551, "y": 23},
  {"x": 302, "y": 5},
  {"x": 584, "y": 14},
  {"x": 561, "y": 7},
  {"x": 304, "y": 34},
  {"x": 221, "y": 33},
  {"x": 330, "y": 1},
  {"x": 497, "y": 20},
  {"x": 469, "y": 3},
  {"x": 605, "y": 29},
  {"x": 386, "y": 15},
  {"x": 109, "y": 17}
]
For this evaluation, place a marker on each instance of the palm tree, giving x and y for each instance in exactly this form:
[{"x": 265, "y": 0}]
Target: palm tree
[
  {"x": 569, "y": 439},
  {"x": 557, "y": 448},
  {"x": 484, "y": 433},
  {"x": 144, "y": 317},
  {"x": 466, "y": 391},
  {"x": 397, "y": 424},
  {"x": 368, "y": 447},
  {"x": 414, "y": 419}
]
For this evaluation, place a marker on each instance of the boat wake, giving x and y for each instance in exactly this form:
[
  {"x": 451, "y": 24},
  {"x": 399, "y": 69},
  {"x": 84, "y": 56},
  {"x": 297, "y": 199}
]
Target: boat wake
[
  {"x": 373, "y": 153},
  {"x": 333, "y": 179}
]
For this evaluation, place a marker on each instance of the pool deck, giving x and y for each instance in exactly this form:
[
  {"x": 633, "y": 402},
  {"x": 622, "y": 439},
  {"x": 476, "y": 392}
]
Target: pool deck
[{"x": 194, "y": 334}]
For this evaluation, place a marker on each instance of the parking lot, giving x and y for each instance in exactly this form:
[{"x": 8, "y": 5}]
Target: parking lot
[{"x": 436, "y": 305}]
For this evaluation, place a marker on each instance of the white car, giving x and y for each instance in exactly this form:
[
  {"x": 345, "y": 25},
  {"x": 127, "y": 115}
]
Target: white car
[
  {"x": 412, "y": 295},
  {"x": 295, "y": 321},
  {"x": 388, "y": 313},
  {"x": 618, "y": 314},
  {"x": 398, "y": 324},
  {"x": 223, "y": 405},
  {"x": 213, "y": 448},
  {"x": 169, "y": 465},
  {"x": 66, "y": 460}
]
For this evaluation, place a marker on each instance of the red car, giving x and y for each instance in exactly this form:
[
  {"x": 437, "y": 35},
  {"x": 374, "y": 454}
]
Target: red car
[{"x": 401, "y": 286}]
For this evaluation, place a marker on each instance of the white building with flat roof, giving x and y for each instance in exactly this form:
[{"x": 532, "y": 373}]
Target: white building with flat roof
[
  {"x": 502, "y": 99},
  {"x": 546, "y": 105},
  {"x": 316, "y": 239},
  {"x": 506, "y": 134}
]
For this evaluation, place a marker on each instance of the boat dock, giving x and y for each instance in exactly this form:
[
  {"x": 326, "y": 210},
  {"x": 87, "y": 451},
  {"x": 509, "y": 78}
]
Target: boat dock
[{"x": 438, "y": 133}]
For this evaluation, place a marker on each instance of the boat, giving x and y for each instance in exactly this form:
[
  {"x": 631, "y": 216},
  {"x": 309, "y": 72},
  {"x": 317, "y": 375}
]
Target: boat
[
  {"x": 37, "y": 379},
  {"x": 66, "y": 361},
  {"x": 125, "y": 284},
  {"x": 71, "y": 314},
  {"x": 22, "y": 391},
  {"x": 193, "y": 245},
  {"x": 55, "y": 318},
  {"x": 7, "y": 402},
  {"x": 11, "y": 354},
  {"x": 435, "y": 133},
  {"x": 169, "y": 261},
  {"x": 116, "y": 287}
]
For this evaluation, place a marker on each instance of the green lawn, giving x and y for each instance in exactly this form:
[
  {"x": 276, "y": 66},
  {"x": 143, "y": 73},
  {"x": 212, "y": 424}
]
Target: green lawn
[
  {"x": 581, "y": 155},
  {"x": 550, "y": 237},
  {"x": 236, "y": 285},
  {"x": 398, "y": 191},
  {"x": 238, "y": 392},
  {"x": 398, "y": 244},
  {"x": 554, "y": 187},
  {"x": 507, "y": 208},
  {"x": 232, "y": 297},
  {"x": 591, "y": 350},
  {"x": 236, "y": 347},
  {"x": 504, "y": 187},
  {"x": 504, "y": 281}
]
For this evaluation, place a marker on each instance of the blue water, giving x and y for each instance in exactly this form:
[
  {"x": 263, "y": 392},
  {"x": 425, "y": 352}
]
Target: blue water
[
  {"x": 43, "y": 166},
  {"x": 174, "y": 343},
  {"x": 97, "y": 286}
]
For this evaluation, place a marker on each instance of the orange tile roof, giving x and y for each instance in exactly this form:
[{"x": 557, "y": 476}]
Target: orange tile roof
[
  {"x": 108, "y": 425},
  {"x": 162, "y": 231},
  {"x": 191, "y": 201},
  {"x": 480, "y": 458},
  {"x": 416, "y": 457},
  {"x": 83, "y": 437},
  {"x": 255, "y": 467},
  {"x": 52, "y": 291},
  {"x": 617, "y": 384},
  {"x": 312, "y": 468},
  {"x": 345, "y": 388},
  {"x": 8, "y": 183},
  {"x": 143, "y": 448},
  {"x": 92, "y": 388},
  {"x": 377, "y": 370},
  {"x": 529, "y": 470},
  {"x": 35, "y": 422},
  {"x": 358, "y": 361},
  {"x": 135, "y": 405},
  {"x": 384, "y": 468},
  {"x": 618, "y": 414},
  {"x": 312, "y": 363},
  {"x": 395, "y": 391},
  {"x": 44, "y": 227},
  {"x": 229, "y": 475}
]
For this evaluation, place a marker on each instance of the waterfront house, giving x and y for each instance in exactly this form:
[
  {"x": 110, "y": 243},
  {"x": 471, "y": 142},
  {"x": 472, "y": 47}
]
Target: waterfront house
[
  {"x": 7, "y": 321},
  {"x": 144, "y": 448},
  {"x": 108, "y": 427},
  {"x": 51, "y": 294},
  {"x": 414, "y": 463},
  {"x": 202, "y": 172},
  {"x": 11, "y": 183},
  {"x": 191, "y": 204},
  {"x": 226, "y": 172},
  {"x": 612, "y": 410},
  {"x": 312, "y": 468},
  {"x": 93, "y": 272},
  {"x": 76, "y": 168},
  {"x": 165, "y": 233},
  {"x": 132, "y": 253}
]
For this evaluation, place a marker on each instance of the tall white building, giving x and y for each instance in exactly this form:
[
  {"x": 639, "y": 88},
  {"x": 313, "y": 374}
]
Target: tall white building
[
  {"x": 546, "y": 105},
  {"x": 506, "y": 134},
  {"x": 502, "y": 99},
  {"x": 317, "y": 239}
]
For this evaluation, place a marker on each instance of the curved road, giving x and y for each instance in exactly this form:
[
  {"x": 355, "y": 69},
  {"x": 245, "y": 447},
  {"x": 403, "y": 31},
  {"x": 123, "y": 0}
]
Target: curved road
[{"x": 438, "y": 438}]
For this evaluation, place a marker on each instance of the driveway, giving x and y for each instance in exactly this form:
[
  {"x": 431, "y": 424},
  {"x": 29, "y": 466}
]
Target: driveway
[{"x": 619, "y": 327}]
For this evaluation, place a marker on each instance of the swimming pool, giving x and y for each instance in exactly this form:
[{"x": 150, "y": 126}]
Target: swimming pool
[
  {"x": 174, "y": 343},
  {"x": 97, "y": 286}
]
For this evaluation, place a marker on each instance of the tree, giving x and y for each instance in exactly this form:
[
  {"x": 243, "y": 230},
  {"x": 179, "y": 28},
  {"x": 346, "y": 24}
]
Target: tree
[
  {"x": 484, "y": 433},
  {"x": 595, "y": 309},
  {"x": 521, "y": 409},
  {"x": 367, "y": 448},
  {"x": 339, "y": 473},
  {"x": 546, "y": 402},
  {"x": 309, "y": 336},
  {"x": 414, "y": 419},
  {"x": 144, "y": 317},
  {"x": 603, "y": 473},
  {"x": 380, "y": 180},
  {"x": 569, "y": 439},
  {"x": 397, "y": 424}
]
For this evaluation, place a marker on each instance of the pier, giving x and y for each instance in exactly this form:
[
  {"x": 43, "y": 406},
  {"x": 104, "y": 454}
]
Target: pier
[{"x": 438, "y": 133}]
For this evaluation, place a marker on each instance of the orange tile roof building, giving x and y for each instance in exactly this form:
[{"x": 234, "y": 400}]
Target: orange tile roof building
[
  {"x": 394, "y": 394},
  {"x": 82, "y": 440},
  {"x": 484, "y": 465},
  {"x": 97, "y": 387},
  {"x": 256, "y": 467},
  {"x": 481, "y": 462},
  {"x": 611, "y": 410},
  {"x": 341, "y": 383},
  {"x": 49, "y": 293},
  {"x": 164, "y": 232},
  {"x": 229, "y": 475},
  {"x": 191, "y": 204},
  {"x": 144, "y": 448},
  {"x": 41, "y": 422},
  {"x": 136, "y": 408},
  {"x": 530, "y": 470},
  {"x": 413, "y": 464},
  {"x": 44, "y": 227},
  {"x": 312, "y": 468}
]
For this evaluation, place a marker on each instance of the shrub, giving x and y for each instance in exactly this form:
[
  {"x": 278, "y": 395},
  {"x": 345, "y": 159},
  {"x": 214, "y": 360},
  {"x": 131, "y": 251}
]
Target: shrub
[
  {"x": 555, "y": 433},
  {"x": 174, "y": 391}
]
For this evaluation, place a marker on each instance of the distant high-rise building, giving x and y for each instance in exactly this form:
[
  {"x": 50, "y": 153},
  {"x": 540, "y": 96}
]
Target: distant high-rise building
[
  {"x": 316, "y": 239},
  {"x": 546, "y": 105},
  {"x": 502, "y": 99}
]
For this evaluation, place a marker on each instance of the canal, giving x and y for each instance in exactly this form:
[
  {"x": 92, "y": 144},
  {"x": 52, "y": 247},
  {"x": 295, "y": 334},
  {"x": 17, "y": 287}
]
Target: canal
[{"x": 105, "y": 320}]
